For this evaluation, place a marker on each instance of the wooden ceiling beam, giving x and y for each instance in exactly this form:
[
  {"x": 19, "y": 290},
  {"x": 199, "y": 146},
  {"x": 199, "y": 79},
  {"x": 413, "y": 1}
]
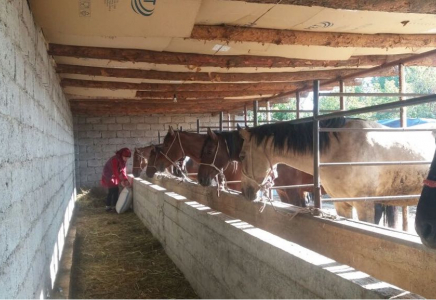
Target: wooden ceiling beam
[
  {"x": 204, "y": 95},
  {"x": 98, "y": 101},
  {"x": 111, "y": 85},
  {"x": 310, "y": 38},
  {"x": 211, "y": 77},
  {"x": 408, "y": 6},
  {"x": 193, "y": 61}
]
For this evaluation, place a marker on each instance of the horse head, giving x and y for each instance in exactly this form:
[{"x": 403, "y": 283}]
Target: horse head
[
  {"x": 140, "y": 159},
  {"x": 255, "y": 165},
  {"x": 214, "y": 158},
  {"x": 425, "y": 221},
  {"x": 151, "y": 166},
  {"x": 171, "y": 150}
]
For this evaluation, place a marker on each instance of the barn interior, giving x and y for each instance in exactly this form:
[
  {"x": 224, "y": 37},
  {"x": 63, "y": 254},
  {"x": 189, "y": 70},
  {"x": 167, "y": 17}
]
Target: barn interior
[{"x": 82, "y": 79}]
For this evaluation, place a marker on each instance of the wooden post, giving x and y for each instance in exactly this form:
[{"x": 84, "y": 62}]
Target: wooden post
[
  {"x": 198, "y": 126},
  {"x": 341, "y": 99},
  {"x": 403, "y": 121},
  {"x": 297, "y": 97},
  {"x": 255, "y": 108},
  {"x": 221, "y": 121}
]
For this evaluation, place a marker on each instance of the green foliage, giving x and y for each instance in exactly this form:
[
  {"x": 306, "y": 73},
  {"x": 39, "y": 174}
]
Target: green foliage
[{"x": 418, "y": 80}]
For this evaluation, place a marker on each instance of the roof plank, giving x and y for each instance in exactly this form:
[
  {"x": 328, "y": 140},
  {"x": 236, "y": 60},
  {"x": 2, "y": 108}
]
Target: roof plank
[
  {"x": 408, "y": 6},
  {"x": 212, "y": 77},
  {"x": 309, "y": 38}
]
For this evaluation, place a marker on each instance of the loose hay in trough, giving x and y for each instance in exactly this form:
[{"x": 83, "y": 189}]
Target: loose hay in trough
[{"x": 117, "y": 257}]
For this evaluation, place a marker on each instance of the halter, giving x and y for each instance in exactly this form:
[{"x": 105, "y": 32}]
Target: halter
[
  {"x": 142, "y": 157},
  {"x": 429, "y": 183},
  {"x": 220, "y": 171},
  {"x": 169, "y": 159}
]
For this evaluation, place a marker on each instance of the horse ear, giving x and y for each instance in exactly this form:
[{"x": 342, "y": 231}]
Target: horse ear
[
  {"x": 245, "y": 135},
  {"x": 171, "y": 130},
  {"x": 247, "y": 127},
  {"x": 238, "y": 126},
  {"x": 211, "y": 134},
  {"x": 153, "y": 147}
]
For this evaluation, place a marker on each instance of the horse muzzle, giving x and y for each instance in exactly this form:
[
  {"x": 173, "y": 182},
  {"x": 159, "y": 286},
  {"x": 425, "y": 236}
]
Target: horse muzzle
[
  {"x": 204, "y": 181},
  {"x": 249, "y": 193},
  {"x": 427, "y": 232}
]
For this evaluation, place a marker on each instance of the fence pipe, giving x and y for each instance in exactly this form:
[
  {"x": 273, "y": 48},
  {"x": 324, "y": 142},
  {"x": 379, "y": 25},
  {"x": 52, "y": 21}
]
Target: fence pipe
[
  {"x": 403, "y": 122},
  {"x": 391, "y": 105},
  {"x": 158, "y": 137},
  {"x": 375, "y": 163},
  {"x": 316, "y": 179},
  {"x": 288, "y": 187},
  {"x": 198, "y": 125},
  {"x": 378, "y": 198},
  {"x": 245, "y": 115},
  {"x": 294, "y": 110},
  {"x": 255, "y": 109},
  {"x": 297, "y": 98},
  {"x": 375, "y": 129},
  {"x": 341, "y": 98},
  {"x": 221, "y": 121},
  {"x": 372, "y": 94}
]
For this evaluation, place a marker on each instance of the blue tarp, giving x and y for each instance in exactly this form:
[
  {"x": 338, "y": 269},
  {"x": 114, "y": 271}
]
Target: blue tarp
[{"x": 410, "y": 122}]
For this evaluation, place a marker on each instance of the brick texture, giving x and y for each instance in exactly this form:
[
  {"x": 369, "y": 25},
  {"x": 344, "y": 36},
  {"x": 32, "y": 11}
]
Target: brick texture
[{"x": 37, "y": 168}]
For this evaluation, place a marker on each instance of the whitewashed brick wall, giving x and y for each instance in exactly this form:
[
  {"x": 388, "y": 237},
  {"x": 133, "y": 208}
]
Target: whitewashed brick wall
[
  {"x": 36, "y": 157},
  {"x": 97, "y": 138}
]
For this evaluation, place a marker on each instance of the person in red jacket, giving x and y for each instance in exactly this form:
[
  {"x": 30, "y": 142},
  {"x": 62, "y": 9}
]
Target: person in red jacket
[{"x": 114, "y": 173}]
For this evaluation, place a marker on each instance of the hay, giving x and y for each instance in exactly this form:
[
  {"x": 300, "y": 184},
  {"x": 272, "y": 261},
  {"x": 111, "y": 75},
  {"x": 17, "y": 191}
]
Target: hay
[{"x": 117, "y": 257}]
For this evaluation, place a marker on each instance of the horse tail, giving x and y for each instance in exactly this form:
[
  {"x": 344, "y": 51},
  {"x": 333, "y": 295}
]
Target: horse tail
[{"x": 390, "y": 212}]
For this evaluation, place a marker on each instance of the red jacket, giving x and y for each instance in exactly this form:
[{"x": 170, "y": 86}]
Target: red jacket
[{"x": 114, "y": 172}]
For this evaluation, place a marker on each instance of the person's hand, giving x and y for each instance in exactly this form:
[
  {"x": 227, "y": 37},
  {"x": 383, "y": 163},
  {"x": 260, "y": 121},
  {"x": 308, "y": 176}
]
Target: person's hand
[{"x": 125, "y": 183}]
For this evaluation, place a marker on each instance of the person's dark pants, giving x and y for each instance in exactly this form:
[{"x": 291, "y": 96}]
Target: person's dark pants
[{"x": 112, "y": 197}]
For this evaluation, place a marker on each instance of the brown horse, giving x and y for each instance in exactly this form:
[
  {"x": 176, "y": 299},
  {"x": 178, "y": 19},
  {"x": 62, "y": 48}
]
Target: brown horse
[
  {"x": 140, "y": 159},
  {"x": 189, "y": 166},
  {"x": 221, "y": 149},
  {"x": 179, "y": 144}
]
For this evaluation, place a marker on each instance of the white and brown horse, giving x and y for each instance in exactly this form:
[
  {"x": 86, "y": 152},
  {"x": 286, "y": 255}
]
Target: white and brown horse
[{"x": 292, "y": 144}]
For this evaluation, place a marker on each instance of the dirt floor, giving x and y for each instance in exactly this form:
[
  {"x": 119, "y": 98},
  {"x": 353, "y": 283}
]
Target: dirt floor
[{"x": 115, "y": 256}]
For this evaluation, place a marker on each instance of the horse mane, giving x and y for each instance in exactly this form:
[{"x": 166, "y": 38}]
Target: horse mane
[
  {"x": 295, "y": 137},
  {"x": 233, "y": 140}
]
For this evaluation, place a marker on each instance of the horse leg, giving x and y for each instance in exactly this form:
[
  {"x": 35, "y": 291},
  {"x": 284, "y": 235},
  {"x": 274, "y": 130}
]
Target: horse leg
[
  {"x": 365, "y": 211},
  {"x": 378, "y": 212},
  {"x": 392, "y": 216},
  {"x": 344, "y": 209}
]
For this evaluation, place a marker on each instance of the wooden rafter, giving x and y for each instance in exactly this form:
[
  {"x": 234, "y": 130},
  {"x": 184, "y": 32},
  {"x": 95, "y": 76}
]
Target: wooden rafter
[
  {"x": 203, "y": 95},
  {"x": 309, "y": 38},
  {"x": 210, "y": 77},
  {"x": 193, "y": 60},
  {"x": 271, "y": 86},
  {"x": 408, "y": 6}
]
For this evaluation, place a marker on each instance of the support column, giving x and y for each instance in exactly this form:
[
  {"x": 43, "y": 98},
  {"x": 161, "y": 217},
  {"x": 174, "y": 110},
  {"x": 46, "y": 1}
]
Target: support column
[
  {"x": 316, "y": 179},
  {"x": 255, "y": 108},
  {"x": 403, "y": 122}
]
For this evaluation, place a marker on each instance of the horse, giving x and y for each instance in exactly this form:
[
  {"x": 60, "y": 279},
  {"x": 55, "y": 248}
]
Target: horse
[
  {"x": 221, "y": 149},
  {"x": 140, "y": 159},
  {"x": 179, "y": 144},
  {"x": 188, "y": 165},
  {"x": 292, "y": 144},
  {"x": 425, "y": 221}
]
